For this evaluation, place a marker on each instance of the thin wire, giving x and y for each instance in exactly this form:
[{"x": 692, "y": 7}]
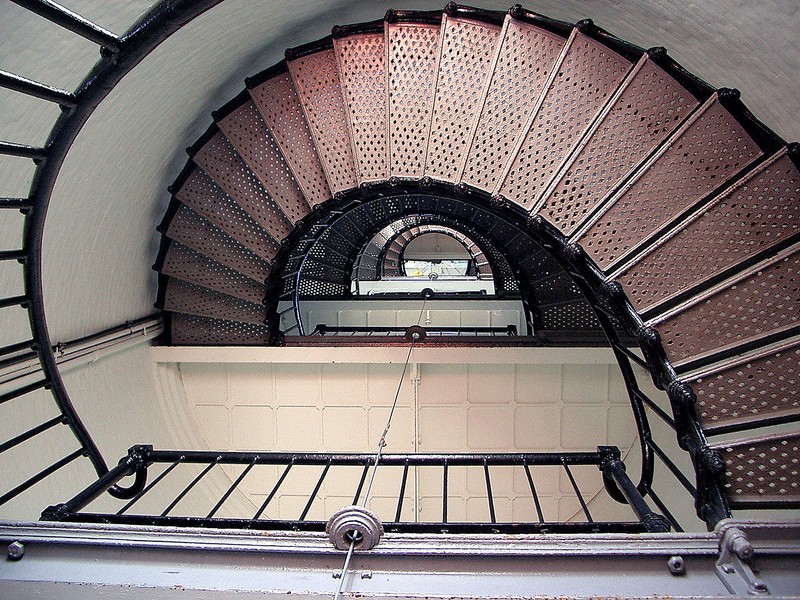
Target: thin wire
[{"x": 378, "y": 454}]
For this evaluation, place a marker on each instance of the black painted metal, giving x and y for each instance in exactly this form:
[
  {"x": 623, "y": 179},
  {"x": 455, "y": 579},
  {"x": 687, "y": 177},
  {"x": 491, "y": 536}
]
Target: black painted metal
[
  {"x": 152, "y": 29},
  {"x": 14, "y": 301},
  {"x": 43, "y": 474},
  {"x": 73, "y": 22},
  {"x": 139, "y": 458},
  {"x": 20, "y": 255},
  {"x": 37, "y": 90},
  {"x": 614, "y": 469},
  {"x": 23, "y": 151},
  {"x": 31, "y": 433},
  {"x": 21, "y": 204},
  {"x": 322, "y": 330}
]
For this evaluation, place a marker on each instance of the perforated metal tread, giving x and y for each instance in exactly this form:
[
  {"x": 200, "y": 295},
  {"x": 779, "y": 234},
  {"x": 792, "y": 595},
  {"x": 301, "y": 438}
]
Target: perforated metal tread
[
  {"x": 765, "y": 385},
  {"x": 754, "y": 215},
  {"x": 247, "y": 131},
  {"x": 200, "y": 234},
  {"x": 587, "y": 77},
  {"x": 278, "y": 104},
  {"x": 187, "y": 265},
  {"x": 763, "y": 469},
  {"x": 466, "y": 54},
  {"x": 316, "y": 80},
  {"x": 206, "y": 198},
  {"x": 219, "y": 160},
  {"x": 648, "y": 107},
  {"x": 525, "y": 57},
  {"x": 193, "y": 330},
  {"x": 704, "y": 153},
  {"x": 412, "y": 52},
  {"x": 182, "y": 297},
  {"x": 743, "y": 310},
  {"x": 361, "y": 60}
]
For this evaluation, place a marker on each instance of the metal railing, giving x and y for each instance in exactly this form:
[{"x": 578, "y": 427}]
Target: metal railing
[{"x": 141, "y": 458}]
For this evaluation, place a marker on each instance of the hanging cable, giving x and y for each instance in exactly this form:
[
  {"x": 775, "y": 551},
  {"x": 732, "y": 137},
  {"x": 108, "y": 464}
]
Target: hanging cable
[{"x": 348, "y": 516}]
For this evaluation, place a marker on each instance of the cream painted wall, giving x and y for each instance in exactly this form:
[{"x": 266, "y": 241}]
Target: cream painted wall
[{"x": 441, "y": 408}]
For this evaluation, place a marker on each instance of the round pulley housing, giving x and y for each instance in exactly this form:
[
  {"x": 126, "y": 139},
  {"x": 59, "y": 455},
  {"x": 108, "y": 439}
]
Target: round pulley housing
[
  {"x": 354, "y": 523},
  {"x": 415, "y": 333}
]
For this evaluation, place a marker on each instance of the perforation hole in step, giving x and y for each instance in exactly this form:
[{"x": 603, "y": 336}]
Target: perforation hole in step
[
  {"x": 754, "y": 307},
  {"x": 467, "y": 52},
  {"x": 759, "y": 388},
  {"x": 219, "y": 159},
  {"x": 766, "y": 468},
  {"x": 206, "y": 198},
  {"x": 196, "y": 232},
  {"x": 187, "y": 265},
  {"x": 751, "y": 218},
  {"x": 193, "y": 330},
  {"x": 194, "y": 300}
]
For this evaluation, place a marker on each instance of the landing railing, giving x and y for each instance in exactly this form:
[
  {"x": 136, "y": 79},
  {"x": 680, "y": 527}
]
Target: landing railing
[
  {"x": 378, "y": 331},
  {"x": 334, "y": 469}
]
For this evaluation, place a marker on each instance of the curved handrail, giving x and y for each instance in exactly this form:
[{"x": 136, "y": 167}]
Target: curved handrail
[{"x": 147, "y": 34}]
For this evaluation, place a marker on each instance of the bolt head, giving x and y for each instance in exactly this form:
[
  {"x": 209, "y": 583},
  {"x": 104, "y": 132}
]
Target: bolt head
[
  {"x": 676, "y": 565},
  {"x": 16, "y": 550}
]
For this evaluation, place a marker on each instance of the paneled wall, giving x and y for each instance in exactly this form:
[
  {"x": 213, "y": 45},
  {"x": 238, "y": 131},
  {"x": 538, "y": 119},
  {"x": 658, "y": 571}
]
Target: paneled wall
[{"x": 531, "y": 404}]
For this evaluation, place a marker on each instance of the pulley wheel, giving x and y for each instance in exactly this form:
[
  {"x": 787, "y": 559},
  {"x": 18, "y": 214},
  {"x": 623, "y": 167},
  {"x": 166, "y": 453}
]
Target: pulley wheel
[
  {"x": 354, "y": 523},
  {"x": 415, "y": 333}
]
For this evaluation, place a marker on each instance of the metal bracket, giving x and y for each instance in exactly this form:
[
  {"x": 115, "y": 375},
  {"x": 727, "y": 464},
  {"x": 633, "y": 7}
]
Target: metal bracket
[{"x": 733, "y": 565}]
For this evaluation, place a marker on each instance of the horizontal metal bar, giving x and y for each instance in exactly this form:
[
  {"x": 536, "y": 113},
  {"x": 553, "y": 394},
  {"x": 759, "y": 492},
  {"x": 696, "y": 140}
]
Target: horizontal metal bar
[
  {"x": 18, "y": 347},
  {"x": 16, "y": 203},
  {"x": 33, "y": 432},
  {"x": 655, "y": 407},
  {"x": 10, "y": 495},
  {"x": 282, "y": 458},
  {"x": 419, "y": 528},
  {"x": 776, "y": 504},
  {"x": 26, "y": 389},
  {"x": 751, "y": 425},
  {"x": 13, "y": 301},
  {"x": 37, "y": 90},
  {"x": 63, "y": 17},
  {"x": 13, "y": 255},
  {"x": 673, "y": 468},
  {"x": 23, "y": 150}
]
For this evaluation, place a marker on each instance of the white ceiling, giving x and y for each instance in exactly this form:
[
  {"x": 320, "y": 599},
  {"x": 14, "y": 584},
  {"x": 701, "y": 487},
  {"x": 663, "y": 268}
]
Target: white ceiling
[{"x": 100, "y": 238}]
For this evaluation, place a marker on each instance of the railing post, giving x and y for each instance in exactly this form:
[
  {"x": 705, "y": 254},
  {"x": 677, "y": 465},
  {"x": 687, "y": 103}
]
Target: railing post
[
  {"x": 614, "y": 475},
  {"x": 136, "y": 462}
]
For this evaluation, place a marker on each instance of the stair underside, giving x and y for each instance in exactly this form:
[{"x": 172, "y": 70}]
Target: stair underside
[{"x": 670, "y": 187}]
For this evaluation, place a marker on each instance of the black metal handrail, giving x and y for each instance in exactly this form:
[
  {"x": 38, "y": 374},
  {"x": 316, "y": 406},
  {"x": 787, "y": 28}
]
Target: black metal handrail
[
  {"x": 119, "y": 56},
  {"x": 323, "y": 330},
  {"x": 141, "y": 458}
]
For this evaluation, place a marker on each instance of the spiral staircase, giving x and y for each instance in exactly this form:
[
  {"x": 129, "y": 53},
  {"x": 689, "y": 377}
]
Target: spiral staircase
[
  {"x": 686, "y": 204},
  {"x": 622, "y": 200}
]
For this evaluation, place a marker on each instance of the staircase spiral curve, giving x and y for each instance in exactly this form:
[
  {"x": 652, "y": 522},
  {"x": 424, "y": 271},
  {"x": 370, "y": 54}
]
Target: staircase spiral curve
[{"x": 670, "y": 187}]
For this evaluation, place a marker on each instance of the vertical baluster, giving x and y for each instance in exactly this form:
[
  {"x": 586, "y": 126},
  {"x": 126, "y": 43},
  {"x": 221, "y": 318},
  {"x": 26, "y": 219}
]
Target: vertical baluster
[
  {"x": 402, "y": 493},
  {"x": 274, "y": 491},
  {"x": 533, "y": 492}
]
